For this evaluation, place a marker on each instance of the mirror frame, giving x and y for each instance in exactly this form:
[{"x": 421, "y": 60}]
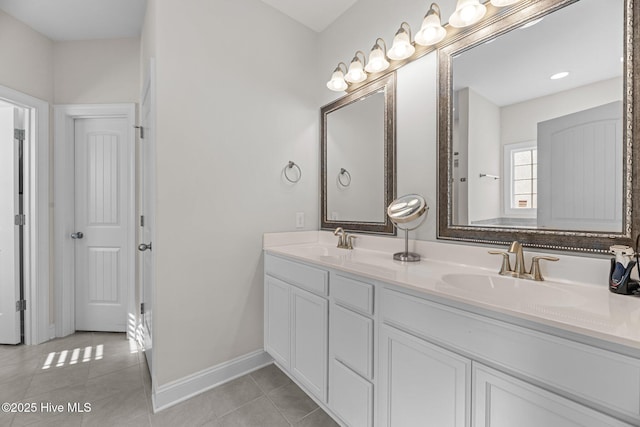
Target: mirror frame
[
  {"x": 582, "y": 241},
  {"x": 387, "y": 84}
]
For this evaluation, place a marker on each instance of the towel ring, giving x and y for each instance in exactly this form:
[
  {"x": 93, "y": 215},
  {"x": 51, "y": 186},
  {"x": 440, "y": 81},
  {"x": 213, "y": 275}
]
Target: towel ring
[
  {"x": 289, "y": 166},
  {"x": 344, "y": 172}
]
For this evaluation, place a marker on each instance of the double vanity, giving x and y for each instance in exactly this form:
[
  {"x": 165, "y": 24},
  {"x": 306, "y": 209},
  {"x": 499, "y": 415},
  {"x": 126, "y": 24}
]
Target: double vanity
[{"x": 447, "y": 341}]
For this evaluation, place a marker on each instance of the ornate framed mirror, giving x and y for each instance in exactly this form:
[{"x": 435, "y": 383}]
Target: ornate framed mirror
[
  {"x": 537, "y": 116},
  {"x": 358, "y": 176}
]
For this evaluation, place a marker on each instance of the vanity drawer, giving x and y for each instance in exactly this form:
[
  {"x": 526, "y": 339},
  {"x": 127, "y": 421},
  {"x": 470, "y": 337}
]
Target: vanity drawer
[
  {"x": 353, "y": 294},
  {"x": 351, "y": 338},
  {"x": 610, "y": 381},
  {"x": 304, "y": 276}
]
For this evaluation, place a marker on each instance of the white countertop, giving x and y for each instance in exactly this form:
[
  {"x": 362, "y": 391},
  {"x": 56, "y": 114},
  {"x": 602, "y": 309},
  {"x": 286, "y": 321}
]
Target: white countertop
[{"x": 583, "y": 305}]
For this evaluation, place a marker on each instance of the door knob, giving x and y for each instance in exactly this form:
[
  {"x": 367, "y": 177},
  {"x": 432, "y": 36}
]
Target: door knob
[
  {"x": 143, "y": 247},
  {"x": 77, "y": 235}
]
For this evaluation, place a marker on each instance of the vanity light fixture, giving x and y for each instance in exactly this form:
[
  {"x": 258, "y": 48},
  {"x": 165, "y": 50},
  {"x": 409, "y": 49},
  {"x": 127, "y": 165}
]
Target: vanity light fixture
[
  {"x": 431, "y": 31},
  {"x": 560, "y": 75},
  {"x": 467, "y": 12},
  {"x": 503, "y": 3},
  {"x": 402, "y": 47},
  {"x": 337, "y": 82},
  {"x": 356, "y": 73},
  {"x": 377, "y": 57}
]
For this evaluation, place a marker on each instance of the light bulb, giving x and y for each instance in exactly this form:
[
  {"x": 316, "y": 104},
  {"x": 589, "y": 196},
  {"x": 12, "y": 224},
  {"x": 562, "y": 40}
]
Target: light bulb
[
  {"x": 402, "y": 47},
  {"x": 467, "y": 12},
  {"x": 356, "y": 72},
  {"x": 431, "y": 31},
  {"x": 377, "y": 60},
  {"x": 337, "y": 82}
]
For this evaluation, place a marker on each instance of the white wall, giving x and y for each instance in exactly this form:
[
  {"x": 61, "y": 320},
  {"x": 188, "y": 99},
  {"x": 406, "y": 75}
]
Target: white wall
[
  {"x": 27, "y": 59},
  {"x": 235, "y": 103},
  {"x": 520, "y": 121},
  {"x": 96, "y": 71}
]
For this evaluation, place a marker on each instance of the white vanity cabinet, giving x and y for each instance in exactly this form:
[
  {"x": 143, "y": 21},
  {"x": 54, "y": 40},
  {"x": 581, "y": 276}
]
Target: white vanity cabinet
[
  {"x": 382, "y": 355},
  {"x": 534, "y": 376},
  {"x": 296, "y": 321},
  {"x": 351, "y": 343}
]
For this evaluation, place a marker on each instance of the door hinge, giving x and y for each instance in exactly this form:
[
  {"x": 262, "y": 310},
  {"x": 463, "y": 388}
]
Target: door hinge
[
  {"x": 141, "y": 220},
  {"x": 21, "y": 305},
  {"x": 141, "y": 131},
  {"x": 20, "y": 219},
  {"x": 141, "y": 308},
  {"x": 18, "y": 134}
]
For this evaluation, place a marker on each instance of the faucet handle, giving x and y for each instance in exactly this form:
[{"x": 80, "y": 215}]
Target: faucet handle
[
  {"x": 340, "y": 233},
  {"x": 505, "y": 268},
  {"x": 535, "y": 266},
  {"x": 350, "y": 239}
]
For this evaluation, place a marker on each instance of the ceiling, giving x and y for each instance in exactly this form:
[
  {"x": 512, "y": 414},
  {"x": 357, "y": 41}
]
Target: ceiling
[
  {"x": 315, "y": 14},
  {"x": 63, "y": 20}
]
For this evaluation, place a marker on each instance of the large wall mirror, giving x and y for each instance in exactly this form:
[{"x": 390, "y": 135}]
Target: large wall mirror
[
  {"x": 358, "y": 158},
  {"x": 537, "y": 112}
]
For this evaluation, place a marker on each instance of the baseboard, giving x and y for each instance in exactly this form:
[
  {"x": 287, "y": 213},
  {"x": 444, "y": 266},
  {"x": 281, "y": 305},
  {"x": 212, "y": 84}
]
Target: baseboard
[{"x": 177, "y": 391}]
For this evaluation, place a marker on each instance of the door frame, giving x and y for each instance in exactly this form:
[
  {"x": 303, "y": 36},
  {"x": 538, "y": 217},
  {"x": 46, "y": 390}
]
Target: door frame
[
  {"x": 36, "y": 232},
  {"x": 64, "y": 207}
]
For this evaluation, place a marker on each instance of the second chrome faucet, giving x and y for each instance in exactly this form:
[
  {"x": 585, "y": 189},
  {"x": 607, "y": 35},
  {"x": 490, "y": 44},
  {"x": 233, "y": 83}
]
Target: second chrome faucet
[{"x": 519, "y": 270}]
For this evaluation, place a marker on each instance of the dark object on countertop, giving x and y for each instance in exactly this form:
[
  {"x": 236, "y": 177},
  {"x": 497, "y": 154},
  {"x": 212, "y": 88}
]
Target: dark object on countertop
[{"x": 623, "y": 284}]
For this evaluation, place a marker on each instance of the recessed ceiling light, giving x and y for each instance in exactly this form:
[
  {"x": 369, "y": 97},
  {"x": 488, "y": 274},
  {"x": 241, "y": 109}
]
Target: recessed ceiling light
[
  {"x": 560, "y": 75},
  {"x": 531, "y": 23}
]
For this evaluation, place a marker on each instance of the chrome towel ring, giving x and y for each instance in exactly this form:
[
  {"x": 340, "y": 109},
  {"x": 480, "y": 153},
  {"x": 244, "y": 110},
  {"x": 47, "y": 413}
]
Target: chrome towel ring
[
  {"x": 290, "y": 166},
  {"x": 346, "y": 176}
]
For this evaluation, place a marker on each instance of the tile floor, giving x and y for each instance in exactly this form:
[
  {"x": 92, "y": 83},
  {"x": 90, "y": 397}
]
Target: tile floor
[{"x": 110, "y": 373}]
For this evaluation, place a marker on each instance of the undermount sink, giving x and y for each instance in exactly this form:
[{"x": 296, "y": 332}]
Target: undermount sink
[
  {"x": 323, "y": 252},
  {"x": 501, "y": 288}
]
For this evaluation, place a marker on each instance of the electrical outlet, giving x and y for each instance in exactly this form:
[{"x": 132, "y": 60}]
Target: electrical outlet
[{"x": 300, "y": 220}]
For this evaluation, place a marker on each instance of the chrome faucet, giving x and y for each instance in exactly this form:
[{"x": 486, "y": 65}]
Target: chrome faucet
[
  {"x": 516, "y": 248},
  {"x": 519, "y": 270},
  {"x": 345, "y": 241}
]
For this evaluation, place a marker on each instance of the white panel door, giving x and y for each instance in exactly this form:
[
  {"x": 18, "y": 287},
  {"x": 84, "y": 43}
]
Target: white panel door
[
  {"x": 148, "y": 213},
  {"x": 102, "y": 204},
  {"x": 580, "y": 170},
  {"x": 504, "y": 401},
  {"x": 421, "y": 384},
  {"x": 309, "y": 341},
  {"x": 9, "y": 242}
]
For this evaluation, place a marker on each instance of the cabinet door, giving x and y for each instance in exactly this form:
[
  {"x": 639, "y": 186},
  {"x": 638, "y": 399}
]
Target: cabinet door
[
  {"x": 277, "y": 317},
  {"x": 350, "y": 396},
  {"x": 500, "y": 400},
  {"x": 309, "y": 346},
  {"x": 421, "y": 384}
]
